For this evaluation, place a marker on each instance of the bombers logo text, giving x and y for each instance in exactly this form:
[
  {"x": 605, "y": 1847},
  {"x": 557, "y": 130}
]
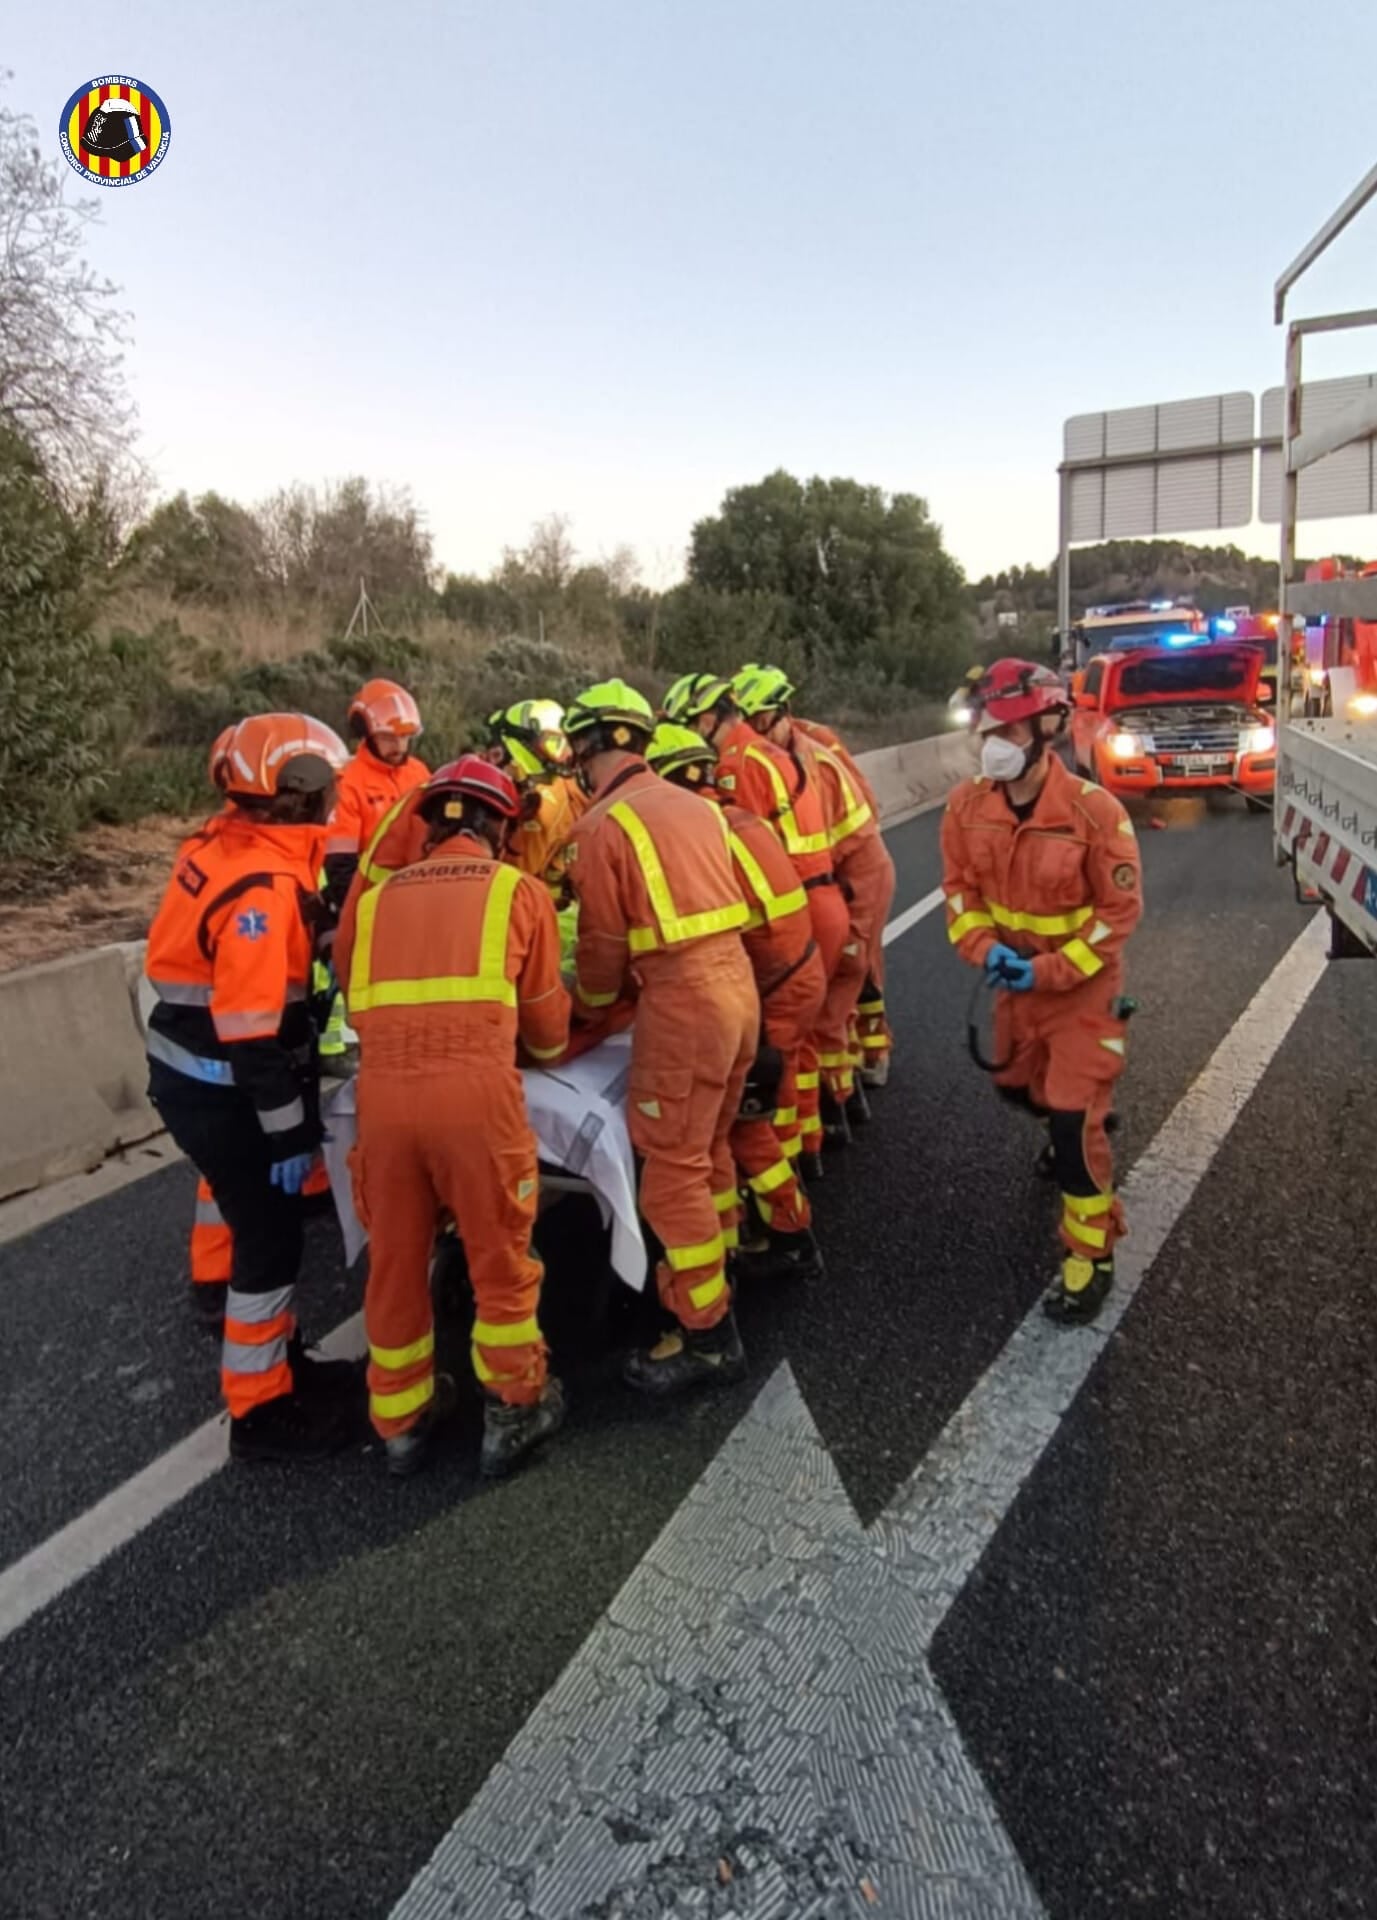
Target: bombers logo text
[{"x": 114, "y": 131}]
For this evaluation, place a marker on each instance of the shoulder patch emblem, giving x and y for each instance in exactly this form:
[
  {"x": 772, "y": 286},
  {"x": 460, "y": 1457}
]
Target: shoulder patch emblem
[
  {"x": 190, "y": 876},
  {"x": 727, "y": 781},
  {"x": 1125, "y": 877}
]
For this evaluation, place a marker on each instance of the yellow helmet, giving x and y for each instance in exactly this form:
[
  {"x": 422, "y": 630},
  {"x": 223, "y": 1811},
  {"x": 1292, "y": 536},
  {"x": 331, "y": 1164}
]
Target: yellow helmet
[
  {"x": 694, "y": 694},
  {"x": 762, "y": 690},
  {"x": 681, "y": 755},
  {"x": 609, "y": 714},
  {"x": 531, "y": 734}
]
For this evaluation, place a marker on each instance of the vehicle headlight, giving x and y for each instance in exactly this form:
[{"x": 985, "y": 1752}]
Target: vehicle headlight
[
  {"x": 1126, "y": 746},
  {"x": 1318, "y": 676},
  {"x": 1257, "y": 739},
  {"x": 1363, "y": 706}
]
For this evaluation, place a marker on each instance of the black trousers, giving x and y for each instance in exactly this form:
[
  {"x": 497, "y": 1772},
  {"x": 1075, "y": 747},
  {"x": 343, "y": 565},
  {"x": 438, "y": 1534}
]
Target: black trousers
[{"x": 218, "y": 1131}]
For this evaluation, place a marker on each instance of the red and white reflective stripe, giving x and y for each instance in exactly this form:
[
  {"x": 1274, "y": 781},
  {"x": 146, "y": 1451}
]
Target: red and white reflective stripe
[{"x": 1334, "y": 863}]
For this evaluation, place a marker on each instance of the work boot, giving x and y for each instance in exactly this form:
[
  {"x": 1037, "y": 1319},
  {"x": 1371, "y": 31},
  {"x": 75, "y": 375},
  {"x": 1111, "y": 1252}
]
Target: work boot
[
  {"x": 1079, "y": 1291},
  {"x": 688, "y": 1357},
  {"x": 878, "y": 1075},
  {"x": 836, "y": 1130},
  {"x": 786, "y": 1256},
  {"x": 315, "y": 1377},
  {"x": 857, "y": 1108},
  {"x": 509, "y": 1433},
  {"x": 295, "y": 1426},
  {"x": 408, "y": 1452},
  {"x": 208, "y": 1299}
]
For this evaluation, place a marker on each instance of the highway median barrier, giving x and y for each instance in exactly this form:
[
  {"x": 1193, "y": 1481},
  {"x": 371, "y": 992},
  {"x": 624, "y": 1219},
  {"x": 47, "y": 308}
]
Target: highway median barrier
[{"x": 917, "y": 773}]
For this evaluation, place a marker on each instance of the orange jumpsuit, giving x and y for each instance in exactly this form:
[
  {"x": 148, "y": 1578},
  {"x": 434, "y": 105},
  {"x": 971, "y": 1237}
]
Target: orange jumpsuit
[
  {"x": 864, "y": 870},
  {"x": 789, "y": 979},
  {"x": 447, "y": 962},
  {"x": 782, "y": 789},
  {"x": 1063, "y": 885},
  {"x": 232, "y": 1068},
  {"x": 659, "y": 906},
  {"x": 367, "y": 790}
]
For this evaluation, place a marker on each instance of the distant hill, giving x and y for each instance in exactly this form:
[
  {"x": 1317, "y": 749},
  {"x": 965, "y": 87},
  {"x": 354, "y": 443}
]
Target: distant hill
[{"x": 1020, "y": 604}]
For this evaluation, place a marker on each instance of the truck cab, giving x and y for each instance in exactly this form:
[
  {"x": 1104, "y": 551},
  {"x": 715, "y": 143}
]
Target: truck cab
[{"x": 1175, "y": 719}]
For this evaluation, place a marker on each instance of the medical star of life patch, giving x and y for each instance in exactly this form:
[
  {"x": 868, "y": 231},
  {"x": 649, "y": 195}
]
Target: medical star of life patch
[
  {"x": 251, "y": 925},
  {"x": 1125, "y": 877}
]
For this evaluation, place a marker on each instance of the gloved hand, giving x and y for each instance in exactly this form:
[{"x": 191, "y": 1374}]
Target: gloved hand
[
  {"x": 291, "y": 1174},
  {"x": 1009, "y": 969}
]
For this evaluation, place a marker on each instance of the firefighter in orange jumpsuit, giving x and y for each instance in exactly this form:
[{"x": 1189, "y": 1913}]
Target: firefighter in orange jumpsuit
[
  {"x": 528, "y": 741},
  {"x": 784, "y": 957},
  {"x": 386, "y": 721},
  {"x": 866, "y": 873},
  {"x": 1043, "y": 885},
  {"x": 660, "y": 910},
  {"x": 232, "y": 1066},
  {"x": 447, "y": 963},
  {"x": 769, "y": 773}
]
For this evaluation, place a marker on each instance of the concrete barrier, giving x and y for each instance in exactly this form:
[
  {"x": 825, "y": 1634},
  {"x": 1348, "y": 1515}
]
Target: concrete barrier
[
  {"x": 917, "y": 772},
  {"x": 72, "y": 1066}
]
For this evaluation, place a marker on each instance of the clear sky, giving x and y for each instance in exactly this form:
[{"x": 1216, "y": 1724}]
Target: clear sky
[{"x": 611, "y": 257}]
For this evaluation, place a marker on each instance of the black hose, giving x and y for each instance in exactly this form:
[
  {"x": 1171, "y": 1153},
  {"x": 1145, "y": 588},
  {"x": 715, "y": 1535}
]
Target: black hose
[{"x": 984, "y": 983}]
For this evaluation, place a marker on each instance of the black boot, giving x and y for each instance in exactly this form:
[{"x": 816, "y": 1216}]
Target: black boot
[
  {"x": 295, "y": 1426},
  {"x": 208, "y": 1299},
  {"x": 687, "y": 1357},
  {"x": 316, "y": 1378},
  {"x": 509, "y": 1433},
  {"x": 407, "y": 1453},
  {"x": 836, "y": 1130},
  {"x": 857, "y": 1108},
  {"x": 810, "y": 1166},
  {"x": 787, "y": 1256},
  {"x": 1079, "y": 1291}
]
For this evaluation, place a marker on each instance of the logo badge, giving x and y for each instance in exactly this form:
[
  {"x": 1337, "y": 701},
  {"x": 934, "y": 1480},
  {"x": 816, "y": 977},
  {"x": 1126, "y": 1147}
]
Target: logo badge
[
  {"x": 114, "y": 131},
  {"x": 252, "y": 925}
]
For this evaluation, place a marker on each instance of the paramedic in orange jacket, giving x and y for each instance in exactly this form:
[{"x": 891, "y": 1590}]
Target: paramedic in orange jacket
[
  {"x": 447, "y": 963},
  {"x": 232, "y": 1065},
  {"x": 866, "y": 872},
  {"x": 386, "y": 721},
  {"x": 660, "y": 909},
  {"x": 784, "y": 957},
  {"x": 1043, "y": 885}
]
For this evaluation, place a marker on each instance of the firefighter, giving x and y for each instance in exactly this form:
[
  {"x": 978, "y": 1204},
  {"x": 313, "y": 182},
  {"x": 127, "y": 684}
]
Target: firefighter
[
  {"x": 791, "y": 985},
  {"x": 660, "y": 911},
  {"x": 866, "y": 872},
  {"x": 1043, "y": 887},
  {"x": 528, "y": 741},
  {"x": 232, "y": 1065},
  {"x": 447, "y": 963},
  {"x": 762, "y": 771},
  {"x": 386, "y": 722},
  {"x": 705, "y": 703}
]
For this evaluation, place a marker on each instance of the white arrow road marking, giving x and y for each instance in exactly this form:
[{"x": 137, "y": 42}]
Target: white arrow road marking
[
  {"x": 48, "y": 1569},
  {"x": 757, "y": 1701}
]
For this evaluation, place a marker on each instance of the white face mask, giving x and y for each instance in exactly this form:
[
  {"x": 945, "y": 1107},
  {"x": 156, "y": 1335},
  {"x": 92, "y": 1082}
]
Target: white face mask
[{"x": 1000, "y": 759}]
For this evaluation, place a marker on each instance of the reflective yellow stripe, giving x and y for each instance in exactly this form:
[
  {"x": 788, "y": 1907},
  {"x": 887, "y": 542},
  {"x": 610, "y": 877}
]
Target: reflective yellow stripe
[
  {"x": 520, "y": 1334},
  {"x": 870, "y": 1006},
  {"x": 806, "y": 1082},
  {"x": 489, "y": 984},
  {"x": 372, "y": 870},
  {"x": 1083, "y": 957},
  {"x": 592, "y": 999},
  {"x": 1045, "y": 923},
  {"x": 707, "y": 1291},
  {"x": 791, "y": 1149},
  {"x": 880, "y": 1040},
  {"x": 724, "y": 1202},
  {"x": 776, "y": 1176},
  {"x": 544, "y": 1053},
  {"x": 834, "y": 1059},
  {"x": 684, "y": 1259},
  {"x": 673, "y": 925},
  {"x": 1088, "y": 1236},
  {"x": 774, "y": 906},
  {"x": 395, "y": 1358},
  {"x": 731, "y": 1238},
  {"x": 857, "y": 811},
  {"x": 967, "y": 923},
  {"x": 794, "y": 841},
  {"x": 1088, "y": 1207},
  {"x": 395, "y": 1406},
  {"x": 786, "y": 1116}
]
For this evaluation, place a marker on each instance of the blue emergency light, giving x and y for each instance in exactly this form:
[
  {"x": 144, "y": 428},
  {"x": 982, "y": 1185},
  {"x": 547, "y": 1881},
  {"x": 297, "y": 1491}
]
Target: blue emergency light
[{"x": 1226, "y": 626}]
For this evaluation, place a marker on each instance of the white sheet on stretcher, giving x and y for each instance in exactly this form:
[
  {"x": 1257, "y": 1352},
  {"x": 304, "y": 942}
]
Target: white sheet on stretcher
[{"x": 578, "y": 1116}]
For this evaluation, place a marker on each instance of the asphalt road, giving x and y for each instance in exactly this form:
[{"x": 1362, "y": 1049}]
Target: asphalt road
[{"x": 280, "y": 1696}]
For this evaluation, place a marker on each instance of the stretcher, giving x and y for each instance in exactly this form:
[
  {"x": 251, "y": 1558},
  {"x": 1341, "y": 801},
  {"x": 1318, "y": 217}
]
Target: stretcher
[{"x": 578, "y": 1116}]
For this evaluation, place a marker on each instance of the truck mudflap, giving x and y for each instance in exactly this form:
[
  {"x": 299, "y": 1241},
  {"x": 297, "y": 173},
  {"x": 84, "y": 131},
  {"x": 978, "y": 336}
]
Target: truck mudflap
[{"x": 1330, "y": 869}]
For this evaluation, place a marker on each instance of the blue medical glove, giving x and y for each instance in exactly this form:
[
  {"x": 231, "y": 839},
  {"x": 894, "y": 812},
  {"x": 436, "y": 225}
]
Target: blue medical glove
[
  {"x": 291, "y": 1174},
  {"x": 1009, "y": 969}
]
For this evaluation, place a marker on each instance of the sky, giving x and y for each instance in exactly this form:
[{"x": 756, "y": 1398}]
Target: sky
[{"x": 611, "y": 258}]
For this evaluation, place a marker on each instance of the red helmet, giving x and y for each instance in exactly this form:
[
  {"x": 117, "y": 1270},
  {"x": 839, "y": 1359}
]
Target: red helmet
[
  {"x": 474, "y": 778},
  {"x": 1015, "y": 690},
  {"x": 384, "y": 707}
]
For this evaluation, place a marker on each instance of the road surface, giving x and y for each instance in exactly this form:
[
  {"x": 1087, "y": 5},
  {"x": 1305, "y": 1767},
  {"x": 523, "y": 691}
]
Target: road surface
[{"x": 929, "y": 1617}]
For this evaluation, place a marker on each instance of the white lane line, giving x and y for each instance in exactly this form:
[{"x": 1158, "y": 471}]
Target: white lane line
[
  {"x": 762, "y": 1608},
  {"x": 75, "y": 1550},
  {"x": 910, "y": 916}
]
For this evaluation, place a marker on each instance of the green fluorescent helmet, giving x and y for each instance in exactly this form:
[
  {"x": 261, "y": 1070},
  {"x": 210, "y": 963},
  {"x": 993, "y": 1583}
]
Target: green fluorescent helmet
[
  {"x": 624, "y": 715},
  {"x": 681, "y": 755},
  {"x": 762, "y": 690},
  {"x": 694, "y": 694}
]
